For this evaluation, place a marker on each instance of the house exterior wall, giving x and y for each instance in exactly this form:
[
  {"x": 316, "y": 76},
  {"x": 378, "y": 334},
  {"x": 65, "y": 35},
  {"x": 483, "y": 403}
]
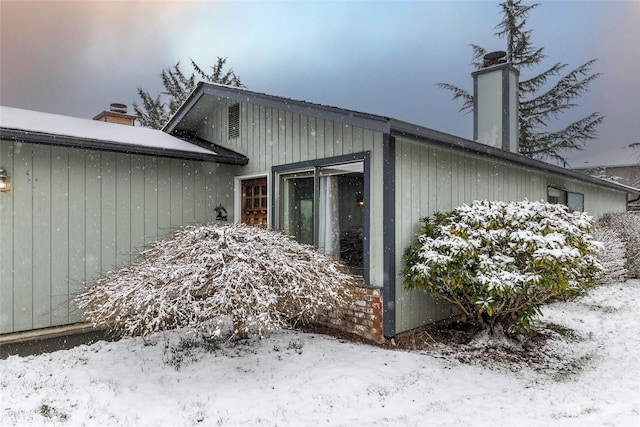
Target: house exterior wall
[
  {"x": 431, "y": 178},
  {"x": 73, "y": 214},
  {"x": 274, "y": 137},
  {"x": 627, "y": 175},
  {"x": 597, "y": 200}
]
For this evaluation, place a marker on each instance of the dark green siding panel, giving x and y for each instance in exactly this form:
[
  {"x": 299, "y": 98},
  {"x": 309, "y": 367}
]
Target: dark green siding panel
[
  {"x": 200, "y": 193},
  {"x": 41, "y": 184},
  {"x": 432, "y": 188},
  {"x": 108, "y": 220},
  {"x": 320, "y": 139},
  {"x": 93, "y": 215},
  {"x": 338, "y": 140},
  {"x": 164, "y": 194},
  {"x": 147, "y": 191},
  {"x": 329, "y": 138},
  {"x": 296, "y": 141},
  {"x": 304, "y": 148},
  {"x": 188, "y": 193},
  {"x": 77, "y": 220},
  {"x": 59, "y": 236},
  {"x": 123, "y": 210},
  {"x": 276, "y": 150},
  {"x": 347, "y": 139},
  {"x": 482, "y": 181},
  {"x": 263, "y": 153},
  {"x": 254, "y": 135},
  {"x": 7, "y": 239},
  {"x": 217, "y": 179},
  {"x": 283, "y": 131},
  {"x": 176, "y": 190},
  {"x": 23, "y": 262},
  {"x": 139, "y": 198}
]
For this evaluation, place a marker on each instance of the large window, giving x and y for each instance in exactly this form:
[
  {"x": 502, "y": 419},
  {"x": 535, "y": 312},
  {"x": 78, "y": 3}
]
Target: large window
[
  {"x": 324, "y": 206},
  {"x": 574, "y": 201}
]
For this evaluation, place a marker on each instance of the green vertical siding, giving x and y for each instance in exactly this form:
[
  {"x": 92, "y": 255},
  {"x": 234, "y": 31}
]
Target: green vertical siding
[
  {"x": 23, "y": 261},
  {"x": 123, "y": 210},
  {"x": 73, "y": 214},
  {"x": 6, "y": 242},
  {"x": 77, "y": 228},
  {"x": 41, "y": 237},
  {"x": 108, "y": 197},
  {"x": 60, "y": 252},
  {"x": 430, "y": 178},
  {"x": 272, "y": 137}
]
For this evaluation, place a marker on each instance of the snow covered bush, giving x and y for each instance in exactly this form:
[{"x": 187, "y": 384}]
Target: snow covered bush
[
  {"x": 627, "y": 226},
  {"x": 612, "y": 256},
  {"x": 498, "y": 262},
  {"x": 202, "y": 276}
]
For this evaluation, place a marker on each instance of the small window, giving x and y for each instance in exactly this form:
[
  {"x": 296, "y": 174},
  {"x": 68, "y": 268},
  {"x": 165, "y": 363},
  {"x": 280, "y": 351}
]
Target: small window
[
  {"x": 574, "y": 201},
  {"x": 234, "y": 121},
  {"x": 556, "y": 196}
]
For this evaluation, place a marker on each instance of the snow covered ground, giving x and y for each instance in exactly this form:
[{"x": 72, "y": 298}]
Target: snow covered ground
[{"x": 590, "y": 377}]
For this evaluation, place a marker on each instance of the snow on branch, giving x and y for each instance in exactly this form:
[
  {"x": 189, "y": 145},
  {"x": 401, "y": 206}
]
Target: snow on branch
[
  {"x": 201, "y": 276},
  {"x": 498, "y": 262}
]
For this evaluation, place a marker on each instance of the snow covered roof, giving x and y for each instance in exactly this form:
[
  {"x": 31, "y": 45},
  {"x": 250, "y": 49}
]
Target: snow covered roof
[
  {"x": 628, "y": 155},
  {"x": 45, "y": 128}
]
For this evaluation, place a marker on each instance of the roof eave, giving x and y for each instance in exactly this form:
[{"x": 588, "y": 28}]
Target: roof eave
[
  {"x": 103, "y": 145},
  {"x": 340, "y": 115},
  {"x": 400, "y": 129}
]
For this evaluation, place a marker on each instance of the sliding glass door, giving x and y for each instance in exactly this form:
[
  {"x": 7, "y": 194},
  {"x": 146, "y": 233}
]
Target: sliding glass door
[
  {"x": 324, "y": 206},
  {"x": 297, "y": 206}
]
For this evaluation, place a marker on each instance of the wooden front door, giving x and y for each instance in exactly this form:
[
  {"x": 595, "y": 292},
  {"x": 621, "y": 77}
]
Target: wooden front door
[{"x": 254, "y": 202}]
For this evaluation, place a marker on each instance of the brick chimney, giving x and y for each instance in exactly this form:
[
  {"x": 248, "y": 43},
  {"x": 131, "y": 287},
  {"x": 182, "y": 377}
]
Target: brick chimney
[
  {"x": 495, "y": 103},
  {"x": 116, "y": 114}
]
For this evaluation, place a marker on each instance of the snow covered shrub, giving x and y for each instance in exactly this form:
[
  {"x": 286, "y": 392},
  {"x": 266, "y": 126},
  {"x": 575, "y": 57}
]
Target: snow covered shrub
[
  {"x": 201, "y": 276},
  {"x": 627, "y": 226},
  {"x": 498, "y": 262},
  {"x": 612, "y": 256}
]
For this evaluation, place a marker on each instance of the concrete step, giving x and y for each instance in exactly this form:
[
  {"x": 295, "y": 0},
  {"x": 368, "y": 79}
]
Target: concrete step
[{"x": 46, "y": 340}]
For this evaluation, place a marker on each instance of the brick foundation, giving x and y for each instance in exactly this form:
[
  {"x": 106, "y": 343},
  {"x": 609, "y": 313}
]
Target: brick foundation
[{"x": 362, "y": 318}]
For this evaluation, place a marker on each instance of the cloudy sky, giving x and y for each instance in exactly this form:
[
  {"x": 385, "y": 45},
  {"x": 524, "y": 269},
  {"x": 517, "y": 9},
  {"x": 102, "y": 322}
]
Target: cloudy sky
[{"x": 77, "y": 57}]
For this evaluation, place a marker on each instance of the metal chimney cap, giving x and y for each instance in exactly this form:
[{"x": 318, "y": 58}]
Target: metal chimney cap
[
  {"x": 116, "y": 107},
  {"x": 493, "y": 58}
]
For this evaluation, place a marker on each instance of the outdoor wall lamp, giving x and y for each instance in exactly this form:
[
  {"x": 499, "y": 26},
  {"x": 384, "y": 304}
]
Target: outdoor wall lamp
[
  {"x": 221, "y": 213},
  {"x": 5, "y": 184}
]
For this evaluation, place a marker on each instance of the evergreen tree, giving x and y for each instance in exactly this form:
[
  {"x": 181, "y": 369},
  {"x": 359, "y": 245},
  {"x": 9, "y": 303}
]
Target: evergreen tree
[
  {"x": 539, "y": 104},
  {"x": 156, "y": 112}
]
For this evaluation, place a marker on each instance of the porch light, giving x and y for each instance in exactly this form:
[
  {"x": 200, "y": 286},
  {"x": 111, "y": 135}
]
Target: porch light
[
  {"x": 221, "y": 213},
  {"x": 5, "y": 184}
]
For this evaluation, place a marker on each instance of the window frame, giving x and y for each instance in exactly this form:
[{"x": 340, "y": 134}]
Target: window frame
[
  {"x": 567, "y": 196},
  {"x": 316, "y": 166}
]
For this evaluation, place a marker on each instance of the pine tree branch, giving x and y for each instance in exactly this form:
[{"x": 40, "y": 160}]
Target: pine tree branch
[
  {"x": 534, "y": 84},
  {"x": 178, "y": 86},
  {"x": 538, "y": 109},
  {"x": 459, "y": 94}
]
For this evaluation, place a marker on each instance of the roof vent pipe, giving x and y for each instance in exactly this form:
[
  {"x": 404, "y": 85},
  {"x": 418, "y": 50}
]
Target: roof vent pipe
[
  {"x": 116, "y": 107},
  {"x": 494, "y": 58}
]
